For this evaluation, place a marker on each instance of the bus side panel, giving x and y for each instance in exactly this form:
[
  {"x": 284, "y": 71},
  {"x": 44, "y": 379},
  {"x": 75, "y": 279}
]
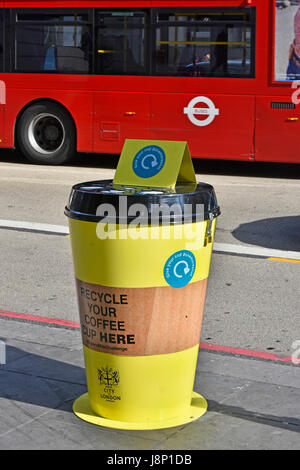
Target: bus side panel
[
  {"x": 79, "y": 104},
  {"x": 214, "y": 125},
  {"x": 119, "y": 116},
  {"x": 277, "y": 130},
  {"x": 3, "y": 141},
  {"x": 2, "y": 83}
]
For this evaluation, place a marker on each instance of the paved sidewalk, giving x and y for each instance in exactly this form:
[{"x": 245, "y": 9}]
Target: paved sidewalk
[{"x": 252, "y": 404}]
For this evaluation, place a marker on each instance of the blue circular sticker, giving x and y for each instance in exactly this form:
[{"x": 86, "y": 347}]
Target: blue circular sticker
[
  {"x": 149, "y": 161},
  {"x": 180, "y": 268}
]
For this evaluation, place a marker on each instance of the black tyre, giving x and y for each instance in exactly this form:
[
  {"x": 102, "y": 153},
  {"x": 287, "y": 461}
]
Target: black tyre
[{"x": 46, "y": 134}]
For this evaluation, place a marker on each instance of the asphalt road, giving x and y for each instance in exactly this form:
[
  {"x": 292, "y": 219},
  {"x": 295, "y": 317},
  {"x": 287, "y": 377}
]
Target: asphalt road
[{"x": 252, "y": 302}]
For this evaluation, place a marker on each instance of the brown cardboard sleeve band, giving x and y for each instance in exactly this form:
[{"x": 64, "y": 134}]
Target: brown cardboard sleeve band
[{"x": 141, "y": 321}]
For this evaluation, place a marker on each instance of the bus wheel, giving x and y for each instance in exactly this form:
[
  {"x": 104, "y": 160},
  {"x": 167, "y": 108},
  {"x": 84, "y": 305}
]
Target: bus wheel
[{"x": 46, "y": 134}]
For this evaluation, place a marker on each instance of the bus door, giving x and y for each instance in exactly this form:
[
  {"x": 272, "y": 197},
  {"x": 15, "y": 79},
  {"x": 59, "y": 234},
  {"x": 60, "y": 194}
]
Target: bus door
[
  {"x": 215, "y": 126},
  {"x": 122, "y": 103},
  {"x": 119, "y": 116},
  {"x": 277, "y": 129},
  {"x": 213, "y": 47}
]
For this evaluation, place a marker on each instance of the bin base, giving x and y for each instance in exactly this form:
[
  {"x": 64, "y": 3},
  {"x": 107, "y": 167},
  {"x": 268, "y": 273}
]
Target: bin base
[{"x": 82, "y": 409}]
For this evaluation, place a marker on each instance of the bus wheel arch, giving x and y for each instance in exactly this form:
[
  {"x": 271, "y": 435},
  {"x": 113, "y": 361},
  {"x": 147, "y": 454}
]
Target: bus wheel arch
[{"x": 45, "y": 132}]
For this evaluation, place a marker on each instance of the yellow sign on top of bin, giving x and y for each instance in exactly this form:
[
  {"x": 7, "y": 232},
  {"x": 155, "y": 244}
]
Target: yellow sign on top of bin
[{"x": 155, "y": 164}]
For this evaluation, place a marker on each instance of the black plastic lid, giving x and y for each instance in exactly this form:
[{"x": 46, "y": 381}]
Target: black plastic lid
[{"x": 187, "y": 203}]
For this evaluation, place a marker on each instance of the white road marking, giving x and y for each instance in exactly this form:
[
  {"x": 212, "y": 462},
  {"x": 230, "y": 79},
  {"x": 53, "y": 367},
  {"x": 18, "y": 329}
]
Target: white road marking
[
  {"x": 34, "y": 181},
  {"x": 255, "y": 251},
  {"x": 33, "y": 226},
  {"x": 229, "y": 248}
]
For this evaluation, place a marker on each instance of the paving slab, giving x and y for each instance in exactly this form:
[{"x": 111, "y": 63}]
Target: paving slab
[{"x": 252, "y": 403}]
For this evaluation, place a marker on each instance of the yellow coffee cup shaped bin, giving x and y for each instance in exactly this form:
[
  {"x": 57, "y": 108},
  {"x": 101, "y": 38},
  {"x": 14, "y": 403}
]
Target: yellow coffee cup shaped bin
[{"x": 141, "y": 291}]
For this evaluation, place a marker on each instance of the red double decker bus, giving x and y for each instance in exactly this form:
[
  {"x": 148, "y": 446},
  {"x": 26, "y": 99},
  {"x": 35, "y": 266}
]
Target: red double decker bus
[{"x": 85, "y": 75}]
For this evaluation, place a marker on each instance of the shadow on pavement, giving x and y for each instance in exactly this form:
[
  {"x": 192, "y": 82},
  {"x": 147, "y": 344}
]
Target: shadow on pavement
[
  {"x": 202, "y": 166},
  {"x": 255, "y": 169},
  {"x": 40, "y": 380},
  {"x": 80, "y": 159},
  {"x": 281, "y": 233}
]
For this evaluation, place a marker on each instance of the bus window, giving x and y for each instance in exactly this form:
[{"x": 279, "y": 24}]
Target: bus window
[
  {"x": 208, "y": 42},
  {"x": 49, "y": 42},
  {"x": 120, "y": 42}
]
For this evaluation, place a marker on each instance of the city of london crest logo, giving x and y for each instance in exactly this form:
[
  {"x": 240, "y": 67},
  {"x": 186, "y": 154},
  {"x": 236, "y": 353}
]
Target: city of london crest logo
[{"x": 108, "y": 376}]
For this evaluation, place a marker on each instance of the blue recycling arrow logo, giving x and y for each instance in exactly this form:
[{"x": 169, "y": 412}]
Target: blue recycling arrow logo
[
  {"x": 149, "y": 161},
  {"x": 180, "y": 268}
]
